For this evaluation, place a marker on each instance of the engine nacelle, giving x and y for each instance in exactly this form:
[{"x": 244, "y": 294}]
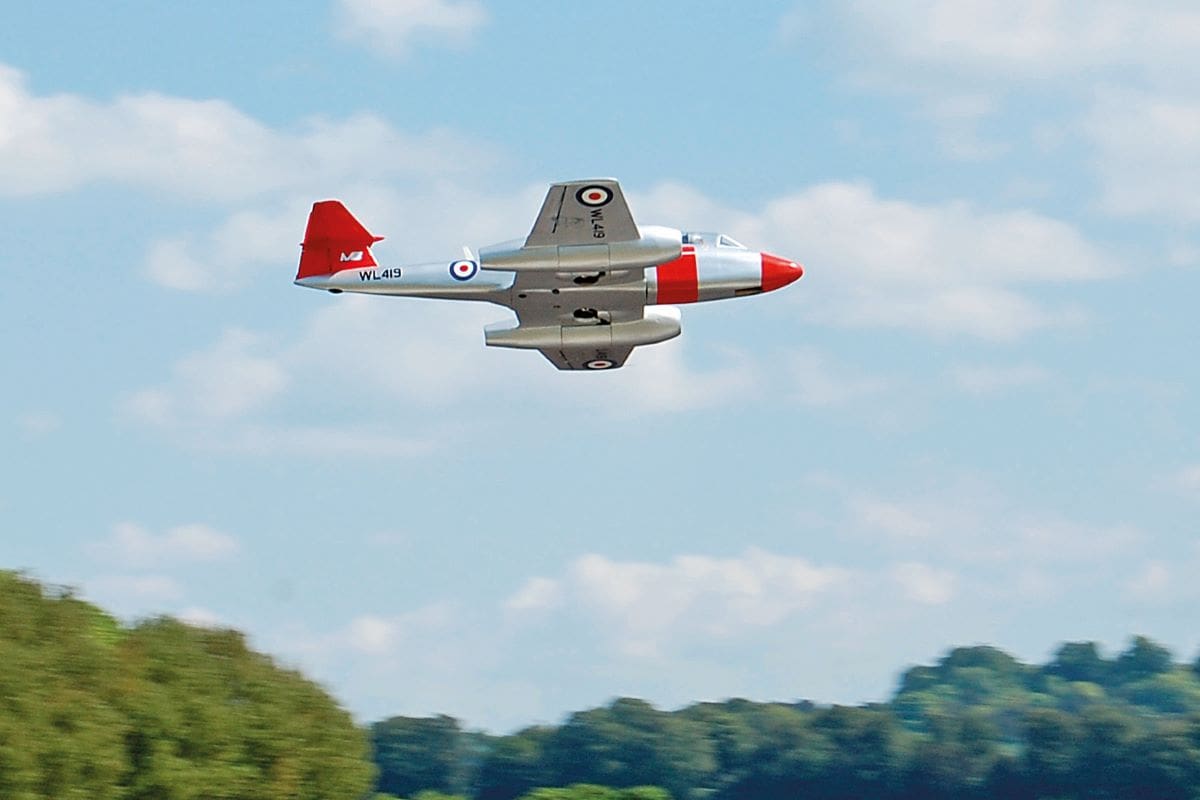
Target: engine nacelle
[
  {"x": 657, "y": 245},
  {"x": 658, "y": 325}
]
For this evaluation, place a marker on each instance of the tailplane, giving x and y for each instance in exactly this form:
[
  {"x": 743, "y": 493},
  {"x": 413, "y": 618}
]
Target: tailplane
[{"x": 334, "y": 240}]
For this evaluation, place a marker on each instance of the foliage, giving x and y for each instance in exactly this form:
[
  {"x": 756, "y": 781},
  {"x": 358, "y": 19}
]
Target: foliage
[
  {"x": 160, "y": 711},
  {"x": 977, "y": 724}
]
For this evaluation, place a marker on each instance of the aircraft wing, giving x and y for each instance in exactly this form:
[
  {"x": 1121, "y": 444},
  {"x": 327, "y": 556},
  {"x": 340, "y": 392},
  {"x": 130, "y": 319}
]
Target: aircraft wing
[
  {"x": 572, "y": 211},
  {"x": 586, "y": 358},
  {"x": 583, "y": 327}
]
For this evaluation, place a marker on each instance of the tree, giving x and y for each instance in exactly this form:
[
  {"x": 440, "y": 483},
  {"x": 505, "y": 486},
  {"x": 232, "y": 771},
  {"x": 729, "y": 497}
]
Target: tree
[
  {"x": 630, "y": 743},
  {"x": 513, "y": 765},
  {"x": 1080, "y": 661},
  {"x": 415, "y": 754},
  {"x": 1143, "y": 659},
  {"x": 161, "y": 711}
]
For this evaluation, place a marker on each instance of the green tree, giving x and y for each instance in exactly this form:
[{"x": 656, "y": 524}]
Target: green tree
[
  {"x": 1051, "y": 759},
  {"x": 514, "y": 765},
  {"x": 1144, "y": 659},
  {"x": 630, "y": 743},
  {"x": 1080, "y": 661},
  {"x": 211, "y": 718},
  {"x": 415, "y": 754},
  {"x": 162, "y": 711}
]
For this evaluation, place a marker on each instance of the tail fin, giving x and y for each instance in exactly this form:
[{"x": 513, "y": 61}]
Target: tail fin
[{"x": 334, "y": 240}]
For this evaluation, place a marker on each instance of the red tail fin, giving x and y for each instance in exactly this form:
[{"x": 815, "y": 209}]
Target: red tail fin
[{"x": 334, "y": 240}]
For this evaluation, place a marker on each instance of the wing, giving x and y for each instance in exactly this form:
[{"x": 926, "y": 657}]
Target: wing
[
  {"x": 572, "y": 211},
  {"x": 588, "y": 327},
  {"x": 587, "y": 358}
]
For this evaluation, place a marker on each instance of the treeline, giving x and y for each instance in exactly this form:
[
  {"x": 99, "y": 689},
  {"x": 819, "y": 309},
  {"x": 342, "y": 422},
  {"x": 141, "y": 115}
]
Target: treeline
[
  {"x": 978, "y": 724},
  {"x": 93, "y": 710}
]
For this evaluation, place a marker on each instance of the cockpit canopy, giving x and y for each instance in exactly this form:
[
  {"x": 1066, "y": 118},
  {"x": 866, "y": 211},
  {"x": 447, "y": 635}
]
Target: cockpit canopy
[{"x": 709, "y": 239}]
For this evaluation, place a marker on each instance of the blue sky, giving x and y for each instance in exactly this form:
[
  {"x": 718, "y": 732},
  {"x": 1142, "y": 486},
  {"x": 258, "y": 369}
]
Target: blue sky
[{"x": 974, "y": 420}]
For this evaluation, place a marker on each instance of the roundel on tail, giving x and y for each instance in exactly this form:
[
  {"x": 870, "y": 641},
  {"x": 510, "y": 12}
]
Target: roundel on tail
[
  {"x": 463, "y": 270},
  {"x": 594, "y": 195}
]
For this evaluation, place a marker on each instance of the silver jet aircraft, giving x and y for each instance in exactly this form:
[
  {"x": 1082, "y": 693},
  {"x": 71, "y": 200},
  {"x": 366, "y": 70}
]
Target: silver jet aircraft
[{"x": 588, "y": 284}]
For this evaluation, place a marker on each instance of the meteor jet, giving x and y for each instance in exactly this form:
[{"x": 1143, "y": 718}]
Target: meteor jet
[{"x": 587, "y": 284}]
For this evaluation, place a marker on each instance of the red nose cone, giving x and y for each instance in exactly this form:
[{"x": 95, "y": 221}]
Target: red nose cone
[{"x": 778, "y": 272}]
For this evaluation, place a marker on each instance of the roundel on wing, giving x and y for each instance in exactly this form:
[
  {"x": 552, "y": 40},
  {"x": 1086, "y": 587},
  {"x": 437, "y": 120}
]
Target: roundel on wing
[
  {"x": 599, "y": 363},
  {"x": 464, "y": 269},
  {"x": 594, "y": 195}
]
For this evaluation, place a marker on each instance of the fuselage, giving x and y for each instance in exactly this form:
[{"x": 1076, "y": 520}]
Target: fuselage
[{"x": 710, "y": 267}]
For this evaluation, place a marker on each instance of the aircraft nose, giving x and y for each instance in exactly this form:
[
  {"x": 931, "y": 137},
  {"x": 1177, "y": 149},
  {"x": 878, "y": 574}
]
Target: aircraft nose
[{"x": 778, "y": 272}]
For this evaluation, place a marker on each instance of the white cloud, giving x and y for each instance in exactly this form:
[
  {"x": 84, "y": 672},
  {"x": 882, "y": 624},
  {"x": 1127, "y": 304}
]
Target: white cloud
[
  {"x": 940, "y": 268},
  {"x": 133, "y": 545},
  {"x": 535, "y": 595},
  {"x": 201, "y": 149},
  {"x": 377, "y": 634},
  {"x": 891, "y": 518},
  {"x": 943, "y": 269},
  {"x": 924, "y": 584},
  {"x": 1147, "y": 153},
  {"x": 1032, "y": 40},
  {"x": 972, "y": 524},
  {"x": 227, "y": 380},
  {"x": 987, "y": 379},
  {"x": 228, "y": 256},
  {"x": 390, "y": 27},
  {"x": 644, "y": 605},
  {"x": 1153, "y": 582},
  {"x": 963, "y": 61}
]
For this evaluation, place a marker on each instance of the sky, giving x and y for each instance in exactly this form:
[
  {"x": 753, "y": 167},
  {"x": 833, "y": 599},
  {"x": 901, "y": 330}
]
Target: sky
[{"x": 973, "y": 421}]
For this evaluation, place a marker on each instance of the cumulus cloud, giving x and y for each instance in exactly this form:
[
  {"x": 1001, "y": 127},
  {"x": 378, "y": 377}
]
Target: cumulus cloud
[
  {"x": 200, "y": 149},
  {"x": 537, "y": 594},
  {"x": 1152, "y": 582},
  {"x": 974, "y": 524},
  {"x": 134, "y": 545},
  {"x": 893, "y": 519},
  {"x": 1030, "y": 39},
  {"x": 924, "y": 584},
  {"x": 380, "y": 634},
  {"x": 224, "y": 398},
  {"x": 1147, "y": 153},
  {"x": 229, "y": 379},
  {"x": 963, "y": 61},
  {"x": 643, "y": 605},
  {"x": 937, "y": 268},
  {"x": 392, "y": 27}
]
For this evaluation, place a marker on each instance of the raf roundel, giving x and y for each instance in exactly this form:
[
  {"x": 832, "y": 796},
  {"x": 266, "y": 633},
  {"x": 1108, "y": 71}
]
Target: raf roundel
[
  {"x": 599, "y": 363},
  {"x": 463, "y": 269},
  {"x": 594, "y": 195}
]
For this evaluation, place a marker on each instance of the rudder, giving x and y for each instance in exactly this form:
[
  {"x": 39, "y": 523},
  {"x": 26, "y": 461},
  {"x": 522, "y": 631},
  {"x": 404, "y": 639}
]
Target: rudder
[{"x": 334, "y": 240}]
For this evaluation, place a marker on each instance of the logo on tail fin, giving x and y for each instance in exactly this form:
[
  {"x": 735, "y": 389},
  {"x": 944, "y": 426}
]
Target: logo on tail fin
[{"x": 357, "y": 255}]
